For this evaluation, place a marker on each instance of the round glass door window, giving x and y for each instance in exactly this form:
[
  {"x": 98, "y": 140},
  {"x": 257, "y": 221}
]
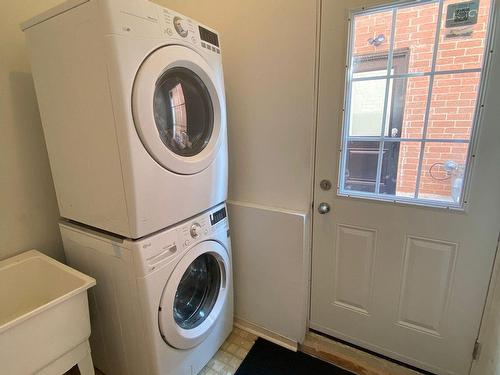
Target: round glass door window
[
  {"x": 183, "y": 111},
  {"x": 197, "y": 292}
]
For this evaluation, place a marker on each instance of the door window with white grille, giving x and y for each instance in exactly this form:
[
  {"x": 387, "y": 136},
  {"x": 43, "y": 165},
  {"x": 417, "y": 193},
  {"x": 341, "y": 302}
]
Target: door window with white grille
[{"x": 413, "y": 101}]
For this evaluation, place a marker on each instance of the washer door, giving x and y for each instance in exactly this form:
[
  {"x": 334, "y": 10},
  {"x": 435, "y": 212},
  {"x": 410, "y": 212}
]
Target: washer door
[
  {"x": 194, "y": 295},
  {"x": 177, "y": 109}
]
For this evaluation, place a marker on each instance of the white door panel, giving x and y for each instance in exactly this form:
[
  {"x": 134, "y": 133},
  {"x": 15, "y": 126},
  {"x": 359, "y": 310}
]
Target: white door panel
[
  {"x": 406, "y": 281},
  {"x": 354, "y": 261}
]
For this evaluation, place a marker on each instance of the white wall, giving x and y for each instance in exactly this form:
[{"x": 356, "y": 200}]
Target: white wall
[
  {"x": 270, "y": 269},
  {"x": 28, "y": 207},
  {"x": 269, "y": 51}
]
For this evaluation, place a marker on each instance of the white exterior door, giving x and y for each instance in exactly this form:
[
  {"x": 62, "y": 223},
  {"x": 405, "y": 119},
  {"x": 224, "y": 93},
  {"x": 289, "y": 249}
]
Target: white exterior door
[{"x": 402, "y": 260}]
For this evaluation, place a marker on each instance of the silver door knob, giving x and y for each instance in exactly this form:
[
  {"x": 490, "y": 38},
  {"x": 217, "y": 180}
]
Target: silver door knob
[{"x": 323, "y": 208}]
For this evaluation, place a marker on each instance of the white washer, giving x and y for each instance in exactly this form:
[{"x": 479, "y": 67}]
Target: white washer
[
  {"x": 162, "y": 304},
  {"x": 132, "y": 102}
]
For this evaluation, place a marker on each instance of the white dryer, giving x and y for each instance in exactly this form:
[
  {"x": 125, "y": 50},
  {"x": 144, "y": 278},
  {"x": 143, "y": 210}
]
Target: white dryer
[
  {"x": 163, "y": 304},
  {"x": 132, "y": 102}
]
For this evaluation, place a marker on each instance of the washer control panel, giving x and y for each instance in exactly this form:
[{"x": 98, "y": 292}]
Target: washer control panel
[
  {"x": 195, "y": 230},
  {"x": 202, "y": 227},
  {"x": 218, "y": 216},
  {"x": 161, "y": 248}
]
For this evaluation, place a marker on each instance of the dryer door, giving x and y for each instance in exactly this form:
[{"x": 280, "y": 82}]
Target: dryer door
[
  {"x": 194, "y": 295},
  {"x": 178, "y": 109}
]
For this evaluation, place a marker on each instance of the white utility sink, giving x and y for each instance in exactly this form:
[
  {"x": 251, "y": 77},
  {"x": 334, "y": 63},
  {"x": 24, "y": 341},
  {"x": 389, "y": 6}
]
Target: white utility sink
[{"x": 44, "y": 316}]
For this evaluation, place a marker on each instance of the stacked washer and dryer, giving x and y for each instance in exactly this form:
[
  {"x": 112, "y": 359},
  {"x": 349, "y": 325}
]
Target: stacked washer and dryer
[{"x": 132, "y": 102}]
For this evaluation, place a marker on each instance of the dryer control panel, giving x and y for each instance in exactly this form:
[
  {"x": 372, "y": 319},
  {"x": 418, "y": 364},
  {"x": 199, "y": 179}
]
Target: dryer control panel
[
  {"x": 175, "y": 25},
  {"x": 146, "y": 19}
]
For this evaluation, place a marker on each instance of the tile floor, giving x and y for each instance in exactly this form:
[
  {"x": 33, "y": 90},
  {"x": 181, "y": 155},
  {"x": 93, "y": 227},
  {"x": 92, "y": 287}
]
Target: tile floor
[
  {"x": 232, "y": 352},
  {"x": 226, "y": 361},
  {"x": 229, "y": 357}
]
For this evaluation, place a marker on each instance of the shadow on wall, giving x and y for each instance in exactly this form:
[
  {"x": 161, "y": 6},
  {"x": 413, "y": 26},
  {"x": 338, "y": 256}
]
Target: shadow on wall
[{"x": 28, "y": 201}]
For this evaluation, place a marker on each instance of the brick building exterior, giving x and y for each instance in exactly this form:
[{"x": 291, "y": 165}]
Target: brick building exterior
[{"x": 453, "y": 98}]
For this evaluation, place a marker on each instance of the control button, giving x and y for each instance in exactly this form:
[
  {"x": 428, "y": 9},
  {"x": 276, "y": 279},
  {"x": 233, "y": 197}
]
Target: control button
[
  {"x": 205, "y": 231},
  {"x": 181, "y": 26},
  {"x": 218, "y": 50},
  {"x": 195, "y": 230},
  {"x": 169, "y": 31},
  {"x": 186, "y": 243},
  {"x": 203, "y": 45}
]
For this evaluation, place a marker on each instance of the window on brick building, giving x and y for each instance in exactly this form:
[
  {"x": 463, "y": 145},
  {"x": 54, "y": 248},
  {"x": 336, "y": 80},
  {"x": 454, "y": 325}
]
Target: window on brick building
[{"x": 412, "y": 99}]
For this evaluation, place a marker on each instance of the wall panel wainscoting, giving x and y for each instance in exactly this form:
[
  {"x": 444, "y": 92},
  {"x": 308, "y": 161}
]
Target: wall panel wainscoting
[{"x": 270, "y": 270}]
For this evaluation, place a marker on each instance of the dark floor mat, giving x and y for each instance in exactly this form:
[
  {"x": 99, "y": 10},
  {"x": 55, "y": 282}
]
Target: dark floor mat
[{"x": 266, "y": 358}]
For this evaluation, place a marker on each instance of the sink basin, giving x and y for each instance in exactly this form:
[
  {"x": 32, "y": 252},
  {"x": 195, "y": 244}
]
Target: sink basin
[{"x": 44, "y": 318}]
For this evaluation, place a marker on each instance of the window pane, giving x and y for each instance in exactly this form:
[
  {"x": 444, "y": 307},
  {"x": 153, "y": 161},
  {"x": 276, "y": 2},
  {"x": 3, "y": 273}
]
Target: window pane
[
  {"x": 415, "y": 34},
  {"x": 443, "y": 171},
  {"x": 367, "y": 105},
  {"x": 407, "y": 126},
  {"x": 406, "y": 105},
  {"x": 399, "y": 168},
  {"x": 361, "y": 166},
  {"x": 408, "y": 115},
  {"x": 462, "y": 47},
  {"x": 453, "y": 104},
  {"x": 372, "y": 35},
  {"x": 398, "y": 173}
]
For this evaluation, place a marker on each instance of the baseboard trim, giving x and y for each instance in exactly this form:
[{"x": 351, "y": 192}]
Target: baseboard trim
[{"x": 265, "y": 334}]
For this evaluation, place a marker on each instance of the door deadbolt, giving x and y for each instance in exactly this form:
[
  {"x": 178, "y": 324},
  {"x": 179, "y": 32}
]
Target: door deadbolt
[{"x": 325, "y": 184}]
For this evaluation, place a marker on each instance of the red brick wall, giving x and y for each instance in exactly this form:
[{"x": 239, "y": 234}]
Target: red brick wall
[{"x": 453, "y": 96}]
